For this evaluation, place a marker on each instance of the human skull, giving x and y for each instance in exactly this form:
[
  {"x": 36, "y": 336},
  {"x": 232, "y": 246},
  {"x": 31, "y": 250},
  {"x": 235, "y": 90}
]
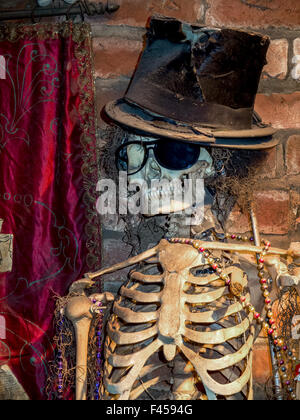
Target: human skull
[{"x": 161, "y": 188}]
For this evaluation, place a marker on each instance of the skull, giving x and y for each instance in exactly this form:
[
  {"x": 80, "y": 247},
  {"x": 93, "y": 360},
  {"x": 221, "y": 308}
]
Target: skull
[{"x": 161, "y": 188}]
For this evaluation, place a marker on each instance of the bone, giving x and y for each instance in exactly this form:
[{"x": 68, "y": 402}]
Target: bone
[
  {"x": 78, "y": 312},
  {"x": 218, "y": 336},
  {"x": 162, "y": 375},
  {"x": 280, "y": 274},
  {"x": 209, "y": 317},
  {"x": 129, "y": 338},
  {"x": 80, "y": 286},
  {"x": 248, "y": 249},
  {"x": 175, "y": 322},
  {"x": 221, "y": 389},
  {"x": 131, "y": 317},
  {"x": 131, "y": 261},
  {"x": 160, "y": 187},
  {"x": 134, "y": 336},
  {"x": 137, "y": 361},
  {"x": 244, "y": 248},
  {"x": 295, "y": 250}
]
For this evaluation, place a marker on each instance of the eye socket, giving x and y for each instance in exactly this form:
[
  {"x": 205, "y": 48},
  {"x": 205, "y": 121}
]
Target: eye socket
[
  {"x": 131, "y": 164},
  {"x": 135, "y": 156},
  {"x": 135, "y": 148}
]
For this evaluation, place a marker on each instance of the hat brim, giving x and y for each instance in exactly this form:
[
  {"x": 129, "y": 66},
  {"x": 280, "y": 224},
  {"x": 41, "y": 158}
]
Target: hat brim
[{"x": 127, "y": 115}]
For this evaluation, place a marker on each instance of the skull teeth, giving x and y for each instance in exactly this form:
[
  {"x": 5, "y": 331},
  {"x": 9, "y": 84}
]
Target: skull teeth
[{"x": 157, "y": 193}]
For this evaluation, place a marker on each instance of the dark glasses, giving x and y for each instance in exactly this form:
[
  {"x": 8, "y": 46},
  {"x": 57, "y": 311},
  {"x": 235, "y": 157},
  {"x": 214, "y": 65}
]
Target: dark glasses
[{"x": 170, "y": 154}]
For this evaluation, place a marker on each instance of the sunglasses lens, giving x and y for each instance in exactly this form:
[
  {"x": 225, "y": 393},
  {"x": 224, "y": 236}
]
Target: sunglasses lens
[{"x": 176, "y": 155}]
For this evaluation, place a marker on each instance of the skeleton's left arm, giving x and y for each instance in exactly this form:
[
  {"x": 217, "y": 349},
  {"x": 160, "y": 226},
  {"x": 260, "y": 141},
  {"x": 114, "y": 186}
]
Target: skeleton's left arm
[{"x": 281, "y": 275}]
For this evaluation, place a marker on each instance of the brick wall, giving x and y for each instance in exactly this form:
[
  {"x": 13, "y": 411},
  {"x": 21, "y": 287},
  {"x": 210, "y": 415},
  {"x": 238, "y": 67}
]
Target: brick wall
[{"x": 118, "y": 42}]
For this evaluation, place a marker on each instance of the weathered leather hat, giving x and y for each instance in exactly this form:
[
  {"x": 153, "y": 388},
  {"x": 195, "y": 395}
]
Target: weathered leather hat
[{"x": 197, "y": 84}]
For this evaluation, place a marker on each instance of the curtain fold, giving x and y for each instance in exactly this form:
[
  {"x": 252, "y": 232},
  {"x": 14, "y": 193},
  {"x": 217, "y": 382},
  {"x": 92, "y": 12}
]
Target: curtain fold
[{"x": 48, "y": 176}]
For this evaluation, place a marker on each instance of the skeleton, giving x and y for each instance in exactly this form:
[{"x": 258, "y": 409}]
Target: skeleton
[
  {"x": 188, "y": 321},
  {"x": 186, "y": 314},
  {"x": 174, "y": 322}
]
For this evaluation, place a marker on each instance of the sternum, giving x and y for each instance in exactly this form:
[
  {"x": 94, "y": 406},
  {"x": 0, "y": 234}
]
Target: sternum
[{"x": 170, "y": 316}]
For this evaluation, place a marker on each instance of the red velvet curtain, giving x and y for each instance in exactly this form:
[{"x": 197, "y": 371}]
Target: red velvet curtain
[{"x": 48, "y": 173}]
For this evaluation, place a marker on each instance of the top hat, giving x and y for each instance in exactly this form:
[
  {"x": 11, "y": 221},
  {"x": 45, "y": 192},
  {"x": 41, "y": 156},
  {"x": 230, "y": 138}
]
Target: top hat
[{"x": 197, "y": 84}]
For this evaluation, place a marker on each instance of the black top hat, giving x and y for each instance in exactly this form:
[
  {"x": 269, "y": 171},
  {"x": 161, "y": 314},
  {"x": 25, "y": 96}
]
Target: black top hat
[{"x": 197, "y": 84}]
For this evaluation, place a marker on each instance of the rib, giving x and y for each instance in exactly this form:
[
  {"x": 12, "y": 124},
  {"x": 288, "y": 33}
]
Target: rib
[
  {"x": 122, "y": 338},
  {"x": 186, "y": 292},
  {"x": 220, "y": 389},
  {"x": 230, "y": 359},
  {"x": 204, "y": 297},
  {"x": 145, "y": 278},
  {"x": 203, "y": 281},
  {"x": 127, "y": 315},
  {"x": 138, "y": 296},
  {"x": 218, "y": 336},
  {"x": 137, "y": 361},
  {"x": 208, "y": 317}
]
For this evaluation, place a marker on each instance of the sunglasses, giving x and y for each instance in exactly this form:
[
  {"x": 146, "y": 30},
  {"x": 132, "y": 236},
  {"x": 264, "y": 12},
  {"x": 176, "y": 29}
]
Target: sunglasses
[{"x": 170, "y": 154}]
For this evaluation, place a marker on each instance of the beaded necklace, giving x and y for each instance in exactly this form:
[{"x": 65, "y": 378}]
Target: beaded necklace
[
  {"x": 284, "y": 356},
  {"x": 99, "y": 343}
]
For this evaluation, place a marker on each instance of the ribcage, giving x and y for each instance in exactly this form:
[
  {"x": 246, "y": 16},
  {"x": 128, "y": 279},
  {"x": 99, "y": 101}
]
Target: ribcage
[{"x": 171, "y": 313}]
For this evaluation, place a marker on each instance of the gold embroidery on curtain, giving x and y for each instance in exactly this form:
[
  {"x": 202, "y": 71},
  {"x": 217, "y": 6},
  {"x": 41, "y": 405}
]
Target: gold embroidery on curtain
[{"x": 80, "y": 33}]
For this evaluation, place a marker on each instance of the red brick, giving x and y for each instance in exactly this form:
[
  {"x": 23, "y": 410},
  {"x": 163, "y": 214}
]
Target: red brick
[
  {"x": 114, "y": 57},
  {"x": 280, "y": 110},
  {"x": 267, "y": 168},
  {"x": 238, "y": 222},
  {"x": 137, "y": 12},
  {"x": 273, "y": 212},
  {"x": 293, "y": 155},
  {"x": 253, "y": 13},
  {"x": 277, "y": 58},
  {"x": 262, "y": 366}
]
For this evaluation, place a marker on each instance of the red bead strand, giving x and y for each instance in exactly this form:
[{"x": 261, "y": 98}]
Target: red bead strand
[{"x": 268, "y": 325}]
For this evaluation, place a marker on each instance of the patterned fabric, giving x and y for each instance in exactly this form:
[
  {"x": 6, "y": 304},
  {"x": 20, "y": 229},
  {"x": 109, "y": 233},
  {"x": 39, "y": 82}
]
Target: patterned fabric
[{"x": 48, "y": 175}]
